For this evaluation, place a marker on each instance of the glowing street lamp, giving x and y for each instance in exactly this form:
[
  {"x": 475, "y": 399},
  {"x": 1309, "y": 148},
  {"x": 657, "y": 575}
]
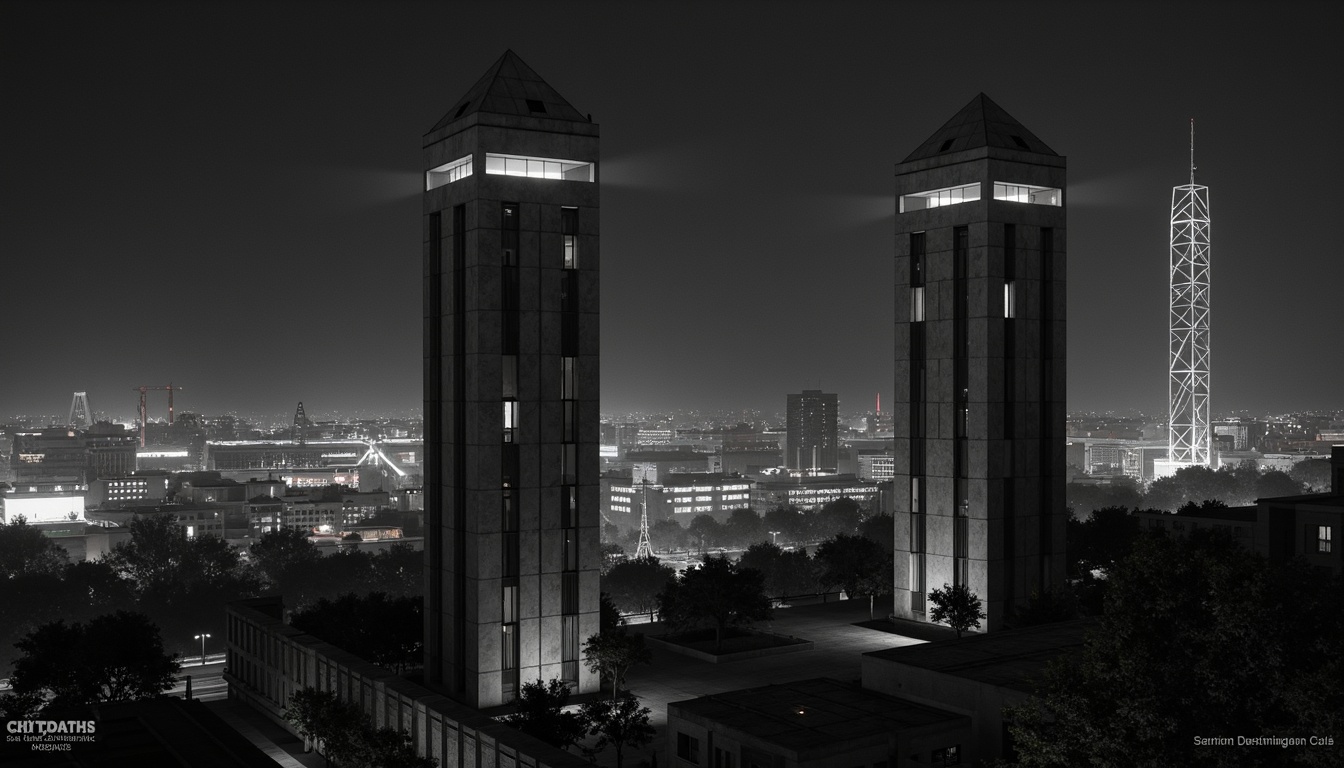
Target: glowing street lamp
[
  {"x": 202, "y": 639},
  {"x": 774, "y": 536}
]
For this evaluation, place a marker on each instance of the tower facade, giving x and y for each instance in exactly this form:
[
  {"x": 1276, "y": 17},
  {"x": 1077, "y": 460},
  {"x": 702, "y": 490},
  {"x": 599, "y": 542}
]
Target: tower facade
[
  {"x": 1188, "y": 428},
  {"x": 511, "y": 389},
  {"x": 811, "y": 431},
  {"x": 979, "y": 413}
]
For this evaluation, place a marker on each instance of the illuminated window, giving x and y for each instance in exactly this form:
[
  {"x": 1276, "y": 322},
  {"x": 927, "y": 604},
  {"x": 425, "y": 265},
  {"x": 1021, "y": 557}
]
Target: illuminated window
[
  {"x": 917, "y": 304},
  {"x": 1025, "y": 193},
  {"x": 937, "y": 198},
  {"x": 569, "y": 229},
  {"x": 448, "y": 173},
  {"x": 510, "y": 420},
  {"x": 1323, "y": 539},
  {"x": 538, "y": 167},
  {"x": 1009, "y": 298}
]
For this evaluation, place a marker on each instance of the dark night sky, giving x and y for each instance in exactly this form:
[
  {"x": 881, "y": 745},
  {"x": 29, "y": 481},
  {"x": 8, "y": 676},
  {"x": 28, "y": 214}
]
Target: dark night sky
[{"x": 227, "y": 196}]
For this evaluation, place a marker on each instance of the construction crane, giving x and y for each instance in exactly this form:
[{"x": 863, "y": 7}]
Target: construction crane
[{"x": 144, "y": 412}]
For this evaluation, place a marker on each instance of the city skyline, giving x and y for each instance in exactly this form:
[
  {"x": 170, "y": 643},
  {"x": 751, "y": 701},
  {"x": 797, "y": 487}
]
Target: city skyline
[{"x": 229, "y": 204}]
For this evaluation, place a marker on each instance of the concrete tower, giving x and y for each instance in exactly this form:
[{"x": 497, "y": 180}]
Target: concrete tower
[
  {"x": 1189, "y": 434},
  {"x": 979, "y": 417},
  {"x": 811, "y": 424},
  {"x": 511, "y": 388}
]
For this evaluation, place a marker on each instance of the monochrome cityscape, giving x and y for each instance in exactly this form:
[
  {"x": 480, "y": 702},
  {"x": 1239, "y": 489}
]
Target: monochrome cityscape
[{"x": 741, "y": 433}]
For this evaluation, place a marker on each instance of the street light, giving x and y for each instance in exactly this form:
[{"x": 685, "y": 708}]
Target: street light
[
  {"x": 202, "y": 639},
  {"x": 774, "y": 536}
]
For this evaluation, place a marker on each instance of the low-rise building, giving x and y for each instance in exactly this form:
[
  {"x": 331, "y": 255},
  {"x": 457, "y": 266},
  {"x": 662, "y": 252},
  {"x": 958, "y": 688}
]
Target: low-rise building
[{"x": 817, "y": 723}]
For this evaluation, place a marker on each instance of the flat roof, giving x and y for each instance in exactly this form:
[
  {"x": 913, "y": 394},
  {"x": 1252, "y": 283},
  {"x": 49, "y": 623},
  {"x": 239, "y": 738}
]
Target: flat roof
[
  {"x": 1011, "y": 658},
  {"x": 808, "y": 715}
]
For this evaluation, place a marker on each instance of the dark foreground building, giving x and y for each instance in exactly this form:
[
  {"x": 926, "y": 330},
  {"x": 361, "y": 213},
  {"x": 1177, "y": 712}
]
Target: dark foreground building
[
  {"x": 979, "y": 418},
  {"x": 511, "y": 388}
]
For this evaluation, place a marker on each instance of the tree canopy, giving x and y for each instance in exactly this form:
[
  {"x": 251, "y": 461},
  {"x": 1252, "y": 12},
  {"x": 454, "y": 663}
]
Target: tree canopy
[
  {"x": 25, "y": 550},
  {"x": 539, "y": 711},
  {"x": 618, "y": 722},
  {"x": 634, "y": 584},
  {"x": 787, "y": 573},
  {"x": 388, "y": 631},
  {"x": 612, "y": 653},
  {"x": 115, "y": 657},
  {"x": 858, "y": 565},
  {"x": 1199, "y": 638},
  {"x": 718, "y": 594},
  {"x": 957, "y": 606}
]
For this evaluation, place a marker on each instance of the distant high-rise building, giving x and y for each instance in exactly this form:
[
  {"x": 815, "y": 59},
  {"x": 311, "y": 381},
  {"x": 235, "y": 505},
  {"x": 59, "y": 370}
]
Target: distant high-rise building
[
  {"x": 1189, "y": 435},
  {"x": 811, "y": 423},
  {"x": 979, "y": 413},
  {"x": 511, "y": 389}
]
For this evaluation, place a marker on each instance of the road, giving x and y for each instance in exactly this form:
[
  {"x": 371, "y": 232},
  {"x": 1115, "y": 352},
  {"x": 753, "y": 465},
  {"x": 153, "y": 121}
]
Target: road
[{"x": 207, "y": 681}]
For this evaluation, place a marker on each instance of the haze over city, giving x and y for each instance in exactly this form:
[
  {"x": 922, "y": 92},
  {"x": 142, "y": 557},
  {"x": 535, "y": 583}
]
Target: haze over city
[{"x": 227, "y": 197}]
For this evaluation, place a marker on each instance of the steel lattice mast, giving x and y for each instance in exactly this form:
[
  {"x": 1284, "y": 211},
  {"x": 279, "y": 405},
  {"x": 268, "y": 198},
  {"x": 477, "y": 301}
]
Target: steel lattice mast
[
  {"x": 645, "y": 547},
  {"x": 1188, "y": 386}
]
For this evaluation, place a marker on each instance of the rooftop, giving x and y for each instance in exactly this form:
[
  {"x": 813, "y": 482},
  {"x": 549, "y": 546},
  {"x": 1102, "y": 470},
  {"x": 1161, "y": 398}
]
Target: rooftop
[
  {"x": 982, "y": 123},
  {"x": 811, "y": 715},
  {"x": 1012, "y": 658},
  {"x": 510, "y": 87}
]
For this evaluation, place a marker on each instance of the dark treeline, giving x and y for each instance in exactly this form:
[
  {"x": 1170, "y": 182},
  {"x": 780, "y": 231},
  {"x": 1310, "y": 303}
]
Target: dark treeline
[
  {"x": 181, "y": 584},
  {"x": 1231, "y": 486}
]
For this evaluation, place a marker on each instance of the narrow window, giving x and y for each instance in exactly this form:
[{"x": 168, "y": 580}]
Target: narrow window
[
  {"x": 569, "y": 233},
  {"x": 1323, "y": 539}
]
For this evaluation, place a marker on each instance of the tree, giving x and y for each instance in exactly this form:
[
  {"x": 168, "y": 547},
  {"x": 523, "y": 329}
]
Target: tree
[
  {"x": 858, "y": 565},
  {"x": 26, "y": 550},
  {"x": 342, "y": 732},
  {"x": 958, "y": 607},
  {"x": 280, "y": 554},
  {"x": 634, "y": 584},
  {"x": 786, "y": 573},
  {"x": 1100, "y": 541},
  {"x": 841, "y": 516},
  {"x": 788, "y": 522},
  {"x": 540, "y": 713},
  {"x": 608, "y": 615},
  {"x": 611, "y": 654},
  {"x": 115, "y": 657},
  {"x": 705, "y": 531},
  {"x": 668, "y": 534},
  {"x": 618, "y": 722},
  {"x": 719, "y": 594},
  {"x": 388, "y": 631},
  {"x": 743, "y": 527},
  {"x": 1313, "y": 474},
  {"x": 399, "y": 571},
  {"x": 325, "y": 722},
  {"x": 1199, "y": 636},
  {"x": 880, "y": 528}
]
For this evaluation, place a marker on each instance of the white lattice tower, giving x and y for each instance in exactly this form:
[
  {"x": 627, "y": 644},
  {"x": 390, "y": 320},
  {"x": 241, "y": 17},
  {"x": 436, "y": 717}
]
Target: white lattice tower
[
  {"x": 1188, "y": 385},
  {"x": 644, "y": 549}
]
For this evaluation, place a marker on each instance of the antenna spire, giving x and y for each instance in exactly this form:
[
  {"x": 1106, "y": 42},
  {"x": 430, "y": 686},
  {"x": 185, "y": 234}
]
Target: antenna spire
[{"x": 1191, "y": 151}]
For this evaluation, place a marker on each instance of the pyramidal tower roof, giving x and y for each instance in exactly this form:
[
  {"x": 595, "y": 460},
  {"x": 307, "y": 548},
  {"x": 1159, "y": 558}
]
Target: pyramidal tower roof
[
  {"x": 982, "y": 123},
  {"x": 510, "y": 87}
]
